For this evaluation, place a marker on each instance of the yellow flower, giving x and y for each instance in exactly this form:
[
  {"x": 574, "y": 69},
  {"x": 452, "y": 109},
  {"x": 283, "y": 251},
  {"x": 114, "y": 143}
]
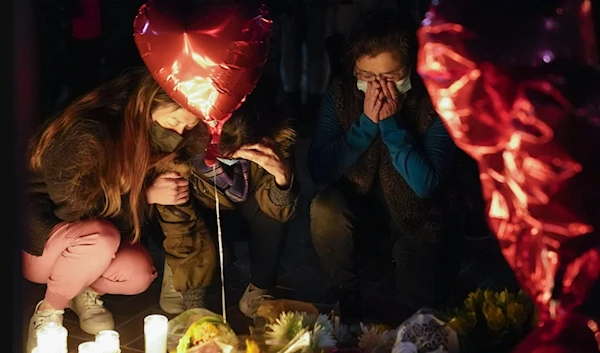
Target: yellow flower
[
  {"x": 463, "y": 322},
  {"x": 471, "y": 319},
  {"x": 516, "y": 314},
  {"x": 474, "y": 300},
  {"x": 454, "y": 324},
  {"x": 490, "y": 296},
  {"x": 476, "y": 297},
  {"x": 252, "y": 346},
  {"x": 199, "y": 332},
  {"x": 504, "y": 297},
  {"x": 470, "y": 304},
  {"x": 524, "y": 300},
  {"x": 377, "y": 328},
  {"x": 205, "y": 332},
  {"x": 494, "y": 316}
]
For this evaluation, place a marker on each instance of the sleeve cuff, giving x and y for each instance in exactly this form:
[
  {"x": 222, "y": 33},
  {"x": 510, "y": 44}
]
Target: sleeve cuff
[
  {"x": 368, "y": 126},
  {"x": 281, "y": 197},
  {"x": 393, "y": 133},
  {"x": 389, "y": 124}
]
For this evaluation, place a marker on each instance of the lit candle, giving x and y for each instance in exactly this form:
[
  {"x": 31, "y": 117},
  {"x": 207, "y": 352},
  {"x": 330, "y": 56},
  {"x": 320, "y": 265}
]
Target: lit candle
[
  {"x": 155, "y": 333},
  {"x": 108, "y": 340},
  {"x": 52, "y": 338},
  {"x": 89, "y": 347}
]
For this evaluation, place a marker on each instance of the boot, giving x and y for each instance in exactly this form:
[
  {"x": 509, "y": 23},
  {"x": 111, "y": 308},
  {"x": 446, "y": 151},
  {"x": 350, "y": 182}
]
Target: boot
[{"x": 171, "y": 301}]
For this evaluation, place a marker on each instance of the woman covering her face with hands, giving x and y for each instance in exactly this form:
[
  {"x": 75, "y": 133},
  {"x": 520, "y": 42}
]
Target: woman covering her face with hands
[
  {"x": 384, "y": 164},
  {"x": 257, "y": 197}
]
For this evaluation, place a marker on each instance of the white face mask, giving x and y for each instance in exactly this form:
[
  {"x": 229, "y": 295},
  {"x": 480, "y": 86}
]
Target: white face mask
[
  {"x": 402, "y": 86},
  {"x": 228, "y": 162}
]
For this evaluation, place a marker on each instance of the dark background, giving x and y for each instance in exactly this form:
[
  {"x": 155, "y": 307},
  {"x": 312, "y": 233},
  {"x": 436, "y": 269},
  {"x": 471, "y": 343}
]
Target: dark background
[{"x": 50, "y": 68}]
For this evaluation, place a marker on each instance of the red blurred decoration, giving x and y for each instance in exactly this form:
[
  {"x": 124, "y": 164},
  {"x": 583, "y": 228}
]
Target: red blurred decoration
[
  {"x": 208, "y": 59},
  {"x": 568, "y": 335},
  {"x": 516, "y": 84}
]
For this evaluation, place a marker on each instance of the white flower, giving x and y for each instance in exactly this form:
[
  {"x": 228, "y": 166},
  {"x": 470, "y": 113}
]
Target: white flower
[
  {"x": 343, "y": 334},
  {"x": 307, "y": 319},
  {"x": 372, "y": 336},
  {"x": 289, "y": 325},
  {"x": 285, "y": 327},
  {"x": 321, "y": 337},
  {"x": 325, "y": 323},
  {"x": 310, "y": 320}
]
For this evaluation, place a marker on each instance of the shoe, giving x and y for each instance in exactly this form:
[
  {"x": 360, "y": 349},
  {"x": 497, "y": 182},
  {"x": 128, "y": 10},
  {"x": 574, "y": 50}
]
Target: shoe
[
  {"x": 252, "y": 299},
  {"x": 38, "y": 320},
  {"x": 93, "y": 316},
  {"x": 171, "y": 301}
]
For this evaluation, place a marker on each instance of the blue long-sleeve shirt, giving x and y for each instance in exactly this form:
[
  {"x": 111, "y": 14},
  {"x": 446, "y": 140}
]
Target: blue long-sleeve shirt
[{"x": 333, "y": 151}]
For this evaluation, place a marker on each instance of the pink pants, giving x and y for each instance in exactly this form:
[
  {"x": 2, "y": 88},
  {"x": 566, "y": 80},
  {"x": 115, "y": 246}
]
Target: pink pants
[{"x": 89, "y": 254}]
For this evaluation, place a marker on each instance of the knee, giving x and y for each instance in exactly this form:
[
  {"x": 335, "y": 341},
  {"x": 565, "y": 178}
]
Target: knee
[
  {"x": 328, "y": 210},
  {"x": 108, "y": 236},
  {"x": 408, "y": 253},
  {"x": 140, "y": 266},
  {"x": 327, "y": 203}
]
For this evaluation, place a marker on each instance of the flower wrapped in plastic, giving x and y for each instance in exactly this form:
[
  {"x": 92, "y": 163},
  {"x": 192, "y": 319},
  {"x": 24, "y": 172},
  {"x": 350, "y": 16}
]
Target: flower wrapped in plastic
[
  {"x": 300, "y": 331},
  {"x": 200, "y": 331},
  {"x": 376, "y": 337},
  {"x": 425, "y": 332},
  {"x": 490, "y": 320}
]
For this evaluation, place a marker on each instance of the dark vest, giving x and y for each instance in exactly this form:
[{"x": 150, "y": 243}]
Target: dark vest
[{"x": 425, "y": 219}]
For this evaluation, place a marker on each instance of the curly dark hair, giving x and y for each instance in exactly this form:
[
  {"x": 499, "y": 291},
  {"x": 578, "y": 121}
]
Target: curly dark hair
[{"x": 382, "y": 31}]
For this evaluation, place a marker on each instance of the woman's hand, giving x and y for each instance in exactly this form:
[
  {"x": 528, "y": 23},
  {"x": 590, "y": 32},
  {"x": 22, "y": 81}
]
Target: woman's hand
[
  {"x": 391, "y": 99},
  {"x": 372, "y": 103},
  {"x": 168, "y": 189},
  {"x": 267, "y": 155}
]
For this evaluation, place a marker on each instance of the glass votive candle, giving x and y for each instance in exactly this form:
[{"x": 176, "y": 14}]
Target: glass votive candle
[
  {"x": 109, "y": 342},
  {"x": 155, "y": 333},
  {"x": 52, "y": 337},
  {"x": 89, "y": 347}
]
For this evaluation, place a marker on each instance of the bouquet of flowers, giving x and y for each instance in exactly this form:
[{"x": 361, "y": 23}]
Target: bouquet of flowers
[
  {"x": 425, "y": 332},
  {"x": 300, "y": 331},
  {"x": 490, "y": 320},
  {"x": 200, "y": 330},
  {"x": 376, "y": 337}
]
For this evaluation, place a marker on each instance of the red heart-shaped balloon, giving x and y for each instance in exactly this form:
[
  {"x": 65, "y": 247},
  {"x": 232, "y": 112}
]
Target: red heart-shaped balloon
[{"x": 207, "y": 60}]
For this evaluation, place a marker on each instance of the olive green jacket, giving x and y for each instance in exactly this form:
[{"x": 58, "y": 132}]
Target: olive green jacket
[{"x": 190, "y": 249}]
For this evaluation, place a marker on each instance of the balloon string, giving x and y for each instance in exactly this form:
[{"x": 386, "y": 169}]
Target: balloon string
[{"x": 220, "y": 239}]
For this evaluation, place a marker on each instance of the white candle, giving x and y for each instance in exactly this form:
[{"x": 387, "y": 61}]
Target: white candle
[
  {"x": 108, "y": 340},
  {"x": 52, "y": 338},
  {"x": 89, "y": 347},
  {"x": 155, "y": 333}
]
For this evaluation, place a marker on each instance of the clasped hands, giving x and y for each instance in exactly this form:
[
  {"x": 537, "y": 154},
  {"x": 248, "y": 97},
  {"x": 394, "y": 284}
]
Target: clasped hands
[
  {"x": 382, "y": 100},
  {"x": 171, "y": 188}
]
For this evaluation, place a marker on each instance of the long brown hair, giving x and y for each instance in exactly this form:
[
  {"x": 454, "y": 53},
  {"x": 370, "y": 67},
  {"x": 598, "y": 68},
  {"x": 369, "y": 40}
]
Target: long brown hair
[{"x": 117, "y": 164}]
